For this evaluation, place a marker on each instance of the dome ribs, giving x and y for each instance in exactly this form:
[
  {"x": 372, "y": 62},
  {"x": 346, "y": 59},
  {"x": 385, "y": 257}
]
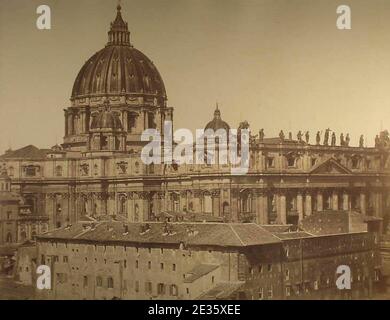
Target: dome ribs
[
  {"x": 125, "y": 70},
  {"x": 110, "y": 65}
]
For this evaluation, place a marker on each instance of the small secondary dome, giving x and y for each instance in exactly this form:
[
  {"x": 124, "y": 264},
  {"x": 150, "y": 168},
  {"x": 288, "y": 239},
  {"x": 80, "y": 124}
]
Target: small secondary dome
[{"x": 217, "y": 122}]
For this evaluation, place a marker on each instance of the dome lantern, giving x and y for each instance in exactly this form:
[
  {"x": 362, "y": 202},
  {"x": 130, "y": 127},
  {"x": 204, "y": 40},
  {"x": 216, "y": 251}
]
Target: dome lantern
[{"x": 119, "y": 32}]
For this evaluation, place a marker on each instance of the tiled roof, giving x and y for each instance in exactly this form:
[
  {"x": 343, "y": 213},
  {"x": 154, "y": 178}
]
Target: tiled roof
[
  {"x": 199, "y": 271},
  {"x": 28, "y": 152},
  {"x": 292, "y": 235},
  {"x": 334, "y": 222},
  {"x": 222, "y": 291},
  {"x": 212, "y": 234},
  {"x": 277, "y": 228}
]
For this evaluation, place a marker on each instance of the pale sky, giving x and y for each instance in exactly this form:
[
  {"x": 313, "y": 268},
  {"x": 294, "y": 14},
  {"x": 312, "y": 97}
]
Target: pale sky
[{"x": 280, "y": 64}]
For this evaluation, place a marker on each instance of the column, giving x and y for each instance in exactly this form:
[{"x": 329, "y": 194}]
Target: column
[
  {"x": 345, "y": 201},
  {"x": 215, "y": 197},
  {"x": 261, "y": 206},
  {"x": 197, "y": 201},
  {"x": 146, "y": 120},
  {"x": 70, "y": 124},
  {"x": 281, "y": 209},
  {"x": 82, "y": 121},
  {"x": 335, "y": 201},
  {"x": 378, "y": 204},
  {"x": 130, "y": 207},
  {"x": 363, "y": 202},
  {"x": 125, "y": 119},
  {"x": 300, "y": 206},
  {"x": 234, "y": 204},
  {"x": 308, "y": 210},
  {"x": 320, "y": 201},
  {"x": 66, "y": 123}
]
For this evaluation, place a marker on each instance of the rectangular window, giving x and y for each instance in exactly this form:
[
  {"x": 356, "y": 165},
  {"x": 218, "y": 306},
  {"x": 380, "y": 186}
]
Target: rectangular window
[
  {"x": 260, "y": 270},
  {"x": 161, "y": 266},
  {"x": 173, "y": 290},
  {"x": 137, "y": 286},
  {"x": 174, "y": 267},
  {"x": 287, "y": 274},
  {"x": 149, "y": 265},
  {"x": 261, "y": 294},
  {"x": 136, "y": 264},
  {"x": 161, "y": 288},
  {"x": 148, "y": 287},
  {"x": 270, "y": 292},
  {"x": 85, "y": 281},
  {"x": 99, "y": 281},
  {"x": 288, "y": 291},
  {"x": 271, "y": 162},
  {"x": 269, "y": 267}
]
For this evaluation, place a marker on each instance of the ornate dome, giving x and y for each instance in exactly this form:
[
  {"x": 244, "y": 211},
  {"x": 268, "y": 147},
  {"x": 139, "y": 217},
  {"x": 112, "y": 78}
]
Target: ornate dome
[
  {"x": 118, "y": 68},
  {"x": 106, "y": 119},
  {"x": 217, "y": 122}
]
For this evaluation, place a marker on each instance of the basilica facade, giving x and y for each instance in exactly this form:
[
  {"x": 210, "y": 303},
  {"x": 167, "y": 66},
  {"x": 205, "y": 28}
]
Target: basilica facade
[{"x": 97, "y": 172}]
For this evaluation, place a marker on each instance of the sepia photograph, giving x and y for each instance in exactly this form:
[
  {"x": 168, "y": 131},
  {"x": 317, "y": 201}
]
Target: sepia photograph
[{"x": 207, "y": 150}]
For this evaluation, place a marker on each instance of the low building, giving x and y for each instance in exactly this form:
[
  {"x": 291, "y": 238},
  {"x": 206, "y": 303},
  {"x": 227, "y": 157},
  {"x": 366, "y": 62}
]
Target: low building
[{"x": 184, "y": 260}]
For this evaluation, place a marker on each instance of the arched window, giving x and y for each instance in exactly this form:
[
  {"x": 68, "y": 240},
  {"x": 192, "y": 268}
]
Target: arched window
[
  {"x": 110, "y": 283},
  {"x": 136, "y": 213},
  {"x": 23, "y": 236},
  {"x": 30, "y": 201},
  {"x": 103, "y": 143},
  {"x": 225, "y": 208},
  {"x": 9, "y": 238},
  {"x": 355, "y": 162},
  {"x": 327, "y": 201},
  {"x": 151, "y": 122},
  {"x": 208, "y": 204},
  {"x": 291, "y": 161},
  {"x": 132, "y": 122},
  {"x": 84, "y": 205},
  {"x": 95, "y": 169},
  {"x": 99, "y": 281},
  {"x": 58, "y": 171},
  {"x": 123, "y": 205},
  {"x": 173, "y": 290}
]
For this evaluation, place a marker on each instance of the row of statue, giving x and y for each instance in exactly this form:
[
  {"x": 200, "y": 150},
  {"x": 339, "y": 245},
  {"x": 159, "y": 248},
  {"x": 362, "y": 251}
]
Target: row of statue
[{"x": 344, "y": 141}]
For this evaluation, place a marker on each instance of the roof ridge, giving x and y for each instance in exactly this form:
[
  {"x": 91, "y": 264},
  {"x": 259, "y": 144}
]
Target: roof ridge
[
  {"x": 85, "y": 231},
  {"x": 262, "y": 229},
  {"x": 235, "y": 232}
]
